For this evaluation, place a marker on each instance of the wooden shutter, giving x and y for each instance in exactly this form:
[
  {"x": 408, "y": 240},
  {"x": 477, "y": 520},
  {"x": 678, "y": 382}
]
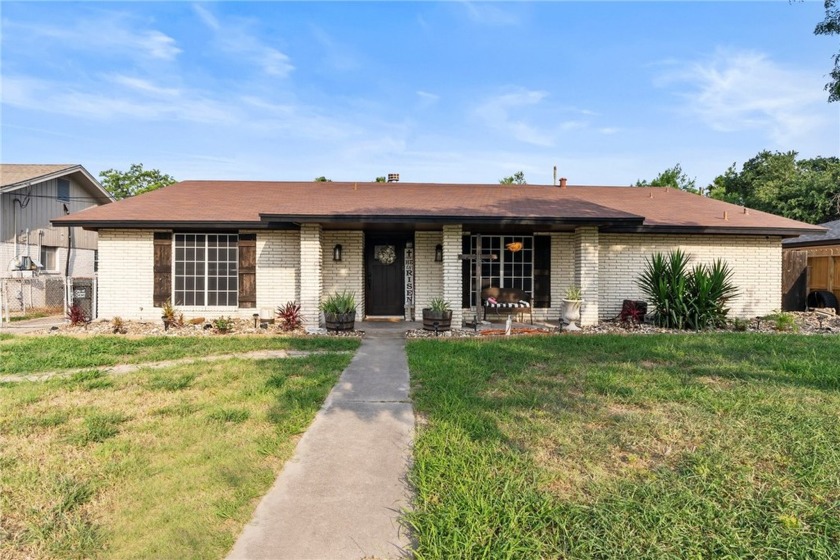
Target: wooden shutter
[
  {"x": 542, "y": 271},
  {"x": 162, "y": 268},
  {"x": 247, "y": 270}
]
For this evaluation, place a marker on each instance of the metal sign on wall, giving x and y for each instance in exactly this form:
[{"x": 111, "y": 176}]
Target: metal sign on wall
[{"x": 409, "y": 275}]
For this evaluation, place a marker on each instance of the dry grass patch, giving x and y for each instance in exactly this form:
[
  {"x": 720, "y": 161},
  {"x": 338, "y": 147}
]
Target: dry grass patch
[{"x": 152, "y": 464}]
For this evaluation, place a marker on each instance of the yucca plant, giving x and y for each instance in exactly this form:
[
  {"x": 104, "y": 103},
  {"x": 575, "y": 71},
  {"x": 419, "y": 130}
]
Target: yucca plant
[
  {"x": 693, "y": 298},
  {"x": 339, "y": 303}
]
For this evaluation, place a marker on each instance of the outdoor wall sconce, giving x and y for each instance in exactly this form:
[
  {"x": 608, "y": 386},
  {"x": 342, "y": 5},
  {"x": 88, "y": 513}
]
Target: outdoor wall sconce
[
  {"x": 337, "y": 252},
  {"x": 439, "y": 253}
]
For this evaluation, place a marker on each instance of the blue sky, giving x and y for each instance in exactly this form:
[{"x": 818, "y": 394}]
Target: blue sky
[{"x": 436, "y": 91}]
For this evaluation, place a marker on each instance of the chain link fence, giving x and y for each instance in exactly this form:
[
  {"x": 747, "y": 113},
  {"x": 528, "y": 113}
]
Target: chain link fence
[{"x": 36, "y": 296}]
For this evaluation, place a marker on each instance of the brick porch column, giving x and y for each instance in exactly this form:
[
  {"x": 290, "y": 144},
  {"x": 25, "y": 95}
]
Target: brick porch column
[
  {"x": 311, "y": 281},
  {"x": 452, "y": 281},
  {"x": 587, "y": 250}
]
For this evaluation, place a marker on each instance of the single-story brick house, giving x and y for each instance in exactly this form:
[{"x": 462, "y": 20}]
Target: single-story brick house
[{"x": 238, "y": 247}]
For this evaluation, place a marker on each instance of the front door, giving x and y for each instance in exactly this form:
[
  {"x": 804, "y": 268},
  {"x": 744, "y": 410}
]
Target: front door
[{"x": 385, "y": 275}]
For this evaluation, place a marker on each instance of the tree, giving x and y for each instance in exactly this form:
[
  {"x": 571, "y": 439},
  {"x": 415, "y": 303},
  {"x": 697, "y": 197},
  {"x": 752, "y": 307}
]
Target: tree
[
  {"x": 517, "y": 178},
  {"x": 672, "y": 177},
  {"x": 831, "y": 26},
  {"x": 777, "y": 182},
  {"x": 125, "y": 184},
  {"x": 380, "y": 180},
  {"x": 322, "y": 179}
]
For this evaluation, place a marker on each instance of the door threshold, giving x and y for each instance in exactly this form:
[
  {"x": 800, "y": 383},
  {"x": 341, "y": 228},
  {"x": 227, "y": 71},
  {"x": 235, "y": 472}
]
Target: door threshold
[{"x": 385, "y": 318}]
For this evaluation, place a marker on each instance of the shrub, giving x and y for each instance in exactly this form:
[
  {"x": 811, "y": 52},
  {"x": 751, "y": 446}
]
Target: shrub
[
  {"x": 684, "y": 297},
  {"x": 782, "y": 321},
  {"x": 171, "y": 314},
  {"x": 223, "y": 324},
  {"x": 289, "y": 316},
  {"x": 632, "y": 313},
  {"x": 76, "y": 315},
  {"x": 118, "y": 325},
  {"x": 740, "y": 325}
]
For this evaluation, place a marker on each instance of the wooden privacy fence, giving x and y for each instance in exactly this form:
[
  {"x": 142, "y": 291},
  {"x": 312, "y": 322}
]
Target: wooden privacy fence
[{"x": 807, "y": 270}]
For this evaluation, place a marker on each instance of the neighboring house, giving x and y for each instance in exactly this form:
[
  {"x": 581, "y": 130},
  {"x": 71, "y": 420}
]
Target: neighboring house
[
  {"x": 240, "y": 247},
  {"x": 811, "y": 263},
  {"x": 32, "y": 248}
]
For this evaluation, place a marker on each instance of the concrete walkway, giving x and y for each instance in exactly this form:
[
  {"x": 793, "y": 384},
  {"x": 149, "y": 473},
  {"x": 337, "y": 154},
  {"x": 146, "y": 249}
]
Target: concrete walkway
[{"x": 341, "y": 494}]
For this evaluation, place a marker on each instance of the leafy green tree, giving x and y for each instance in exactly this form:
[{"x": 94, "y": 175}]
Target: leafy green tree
[
  {"x": 322, "y": 179},
  {"x": 124, "y": 184},
  {"x": 380, "y": 180},
  {"x": 517, "y": 178},
  {"x": 831, "y": 26},
  {"x": 801, "y": 189},
  {"x": 673, "y": 177}
]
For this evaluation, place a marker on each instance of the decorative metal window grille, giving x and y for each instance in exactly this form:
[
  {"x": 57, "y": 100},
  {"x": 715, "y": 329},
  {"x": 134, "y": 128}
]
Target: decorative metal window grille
[
  {"x": 512, "y": 269},
  {"x": 206, "y": 269}
]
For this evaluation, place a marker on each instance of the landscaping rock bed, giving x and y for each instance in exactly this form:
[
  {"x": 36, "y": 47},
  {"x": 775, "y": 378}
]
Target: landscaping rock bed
[{"x": 240, "y": 327}]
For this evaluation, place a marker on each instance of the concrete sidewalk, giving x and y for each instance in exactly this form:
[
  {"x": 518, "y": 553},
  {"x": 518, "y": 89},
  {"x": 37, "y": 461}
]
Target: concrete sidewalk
[{"x": 341, "y": 494}]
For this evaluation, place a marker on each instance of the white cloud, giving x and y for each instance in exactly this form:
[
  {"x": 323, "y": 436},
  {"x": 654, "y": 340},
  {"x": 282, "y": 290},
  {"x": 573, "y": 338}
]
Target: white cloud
[
  {"x": 502, "y": 112},
  {"x": 488, "y": 13},
  {"x": 145, "y": 86},
  {"x": 746, "y": 90},
  {"x": 238, "y": 39},
  {"x": 54, "y": 97},
  {"x": 110, "y": 33}
]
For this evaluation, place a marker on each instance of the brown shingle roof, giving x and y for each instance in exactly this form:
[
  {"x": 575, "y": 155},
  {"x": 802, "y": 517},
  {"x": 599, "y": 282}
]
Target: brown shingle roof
[
  {"x": 256, "y": 203},
  {"x": 13, "y": 173}
]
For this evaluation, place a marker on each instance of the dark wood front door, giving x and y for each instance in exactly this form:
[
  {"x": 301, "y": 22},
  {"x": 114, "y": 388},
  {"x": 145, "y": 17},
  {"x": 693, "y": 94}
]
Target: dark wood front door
[{"x": 384, "y": 275}]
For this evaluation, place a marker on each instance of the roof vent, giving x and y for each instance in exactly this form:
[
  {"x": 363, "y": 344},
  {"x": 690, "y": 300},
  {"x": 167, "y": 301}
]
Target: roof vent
[{"x": 393, "y": 177}]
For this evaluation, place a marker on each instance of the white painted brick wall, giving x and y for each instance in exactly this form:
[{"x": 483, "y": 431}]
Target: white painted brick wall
[
  {"x": 452, "y": 272},
  {"x": 311, "y": 280},
  {"x": 126, "y": 274},
  {"x": 756, "y": 262},
  {"x": 347, "y": 274},
  {"x": 278, "y": 264},
  {"x": 428, "y": 273},
  {"x": 586, "y": 250}
]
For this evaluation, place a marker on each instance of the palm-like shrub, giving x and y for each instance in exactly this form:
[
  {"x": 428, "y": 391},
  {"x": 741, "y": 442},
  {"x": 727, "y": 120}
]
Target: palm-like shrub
[{"x": 687, "y": 297}]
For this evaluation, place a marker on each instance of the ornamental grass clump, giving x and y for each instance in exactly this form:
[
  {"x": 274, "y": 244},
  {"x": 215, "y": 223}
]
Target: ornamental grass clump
[
  {"x": 687, "y": 297},
  {"x": 339, "y": 303},
  {"x": 290, "y": 316}
]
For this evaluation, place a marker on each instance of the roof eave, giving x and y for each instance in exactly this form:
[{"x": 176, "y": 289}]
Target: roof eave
[
  {"x": 716, "y": 230},
  {"x": 92, "y": 182},
  {"x": 400, "y": 219}
]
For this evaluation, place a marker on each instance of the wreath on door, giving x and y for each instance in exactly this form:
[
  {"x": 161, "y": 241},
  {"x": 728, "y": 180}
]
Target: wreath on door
[{"x": 386, "y": 254}]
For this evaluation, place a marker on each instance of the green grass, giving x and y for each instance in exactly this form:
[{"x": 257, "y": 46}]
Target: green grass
[
  {"x": 673, "y": 446},
  {"x": 32, "y": 354},
  {"x": 163, "y": 463}
]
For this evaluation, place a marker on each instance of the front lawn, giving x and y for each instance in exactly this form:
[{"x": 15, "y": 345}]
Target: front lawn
[
  {"x": 659, "y": 446},
  {"x": 31, "y": 354},
  {"x": 164, "y": 463}
]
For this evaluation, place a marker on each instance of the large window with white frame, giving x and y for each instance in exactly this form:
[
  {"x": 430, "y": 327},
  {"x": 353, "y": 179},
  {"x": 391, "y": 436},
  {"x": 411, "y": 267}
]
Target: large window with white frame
[
  {"x": 206, "y": 269},
  {"x": 514, "y": 264}
]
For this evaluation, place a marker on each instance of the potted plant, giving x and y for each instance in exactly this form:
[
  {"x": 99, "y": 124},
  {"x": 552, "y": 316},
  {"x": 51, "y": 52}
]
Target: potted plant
[
  {"x": 571, "y": 308},
  {"x": 340, "y": 311},
  {"x": 438, "y": 316}
]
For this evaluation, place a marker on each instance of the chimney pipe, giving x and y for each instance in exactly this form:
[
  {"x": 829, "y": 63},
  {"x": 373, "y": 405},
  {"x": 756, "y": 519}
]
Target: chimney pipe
[
  {"x": 562, "y": 182},
  {"x": 554, "y": 180}
]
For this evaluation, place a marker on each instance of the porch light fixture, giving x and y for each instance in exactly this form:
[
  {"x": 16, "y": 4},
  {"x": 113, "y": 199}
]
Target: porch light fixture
[
  {"x": 337, "y": 252},
  {"x": 439, "y": 253}
]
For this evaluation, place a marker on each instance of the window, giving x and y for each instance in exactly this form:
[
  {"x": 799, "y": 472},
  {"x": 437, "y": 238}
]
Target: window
[
  {"x": 63, "y": 193},
  {"x": 48, "y": 258},
  {"x": 206, "y": 271},
  {"x": 512, "y": 269}
]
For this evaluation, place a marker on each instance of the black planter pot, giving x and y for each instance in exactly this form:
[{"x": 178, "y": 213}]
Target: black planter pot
[
  {"x": 340, "y": 321},
  {"x": 443, "y": 319}
]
